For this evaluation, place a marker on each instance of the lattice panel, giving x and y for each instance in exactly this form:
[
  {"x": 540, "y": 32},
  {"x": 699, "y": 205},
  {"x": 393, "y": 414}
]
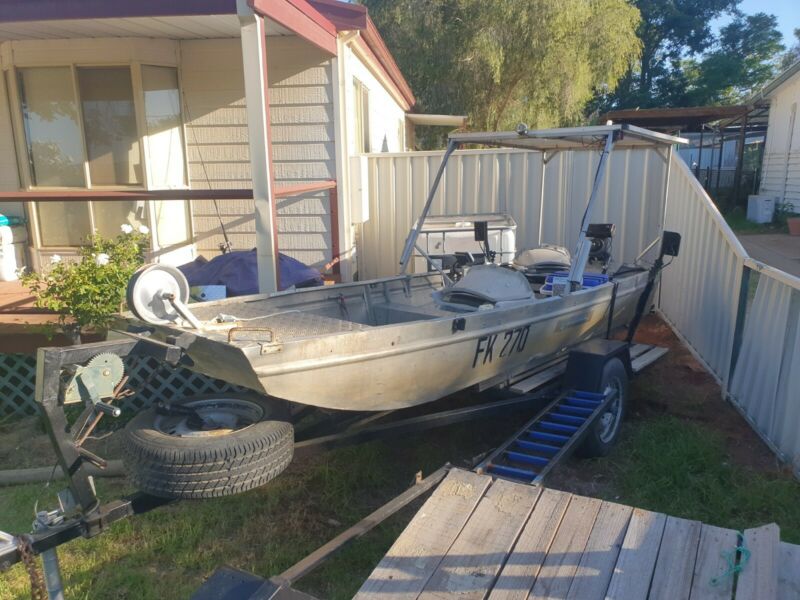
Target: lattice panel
[
  {"x": 17, "y": 384},
  {"x": 150, "y": 379}
]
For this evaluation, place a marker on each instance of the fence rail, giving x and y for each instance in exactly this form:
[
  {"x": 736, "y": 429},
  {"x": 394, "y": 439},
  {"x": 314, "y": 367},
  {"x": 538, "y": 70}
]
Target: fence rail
[{"x": 750, "y": 342}]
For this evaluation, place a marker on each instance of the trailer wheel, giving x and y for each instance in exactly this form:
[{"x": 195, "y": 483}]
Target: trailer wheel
[
  {"x": 605, "y": 431},
  {"x": 208, "y": 446}
]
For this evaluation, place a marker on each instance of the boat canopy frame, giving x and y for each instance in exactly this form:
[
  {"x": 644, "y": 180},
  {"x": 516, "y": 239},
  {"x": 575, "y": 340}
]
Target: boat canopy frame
[{"x": 596, "y": 137}]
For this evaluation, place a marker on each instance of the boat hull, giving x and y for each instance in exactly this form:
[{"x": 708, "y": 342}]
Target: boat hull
[{"x": 399, "y": 365}]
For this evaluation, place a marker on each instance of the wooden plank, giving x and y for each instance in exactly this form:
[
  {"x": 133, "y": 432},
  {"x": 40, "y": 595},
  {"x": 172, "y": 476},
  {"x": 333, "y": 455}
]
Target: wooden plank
[
  {"x": 648, "y": 358},
  {"x": 476, "y": 557},
  {"x": 672, "y": 578},
  {"x": 523, "y": 564},
  {"x": 539, "y": 379},
  {"x": 758, "y": 579},
  {"x": 602, "y": 550},
  {"x": 637, "y": 558},
  {"x": 562, "y": 560},
  {"x": 414, "y": 556},
  {"x": 710, "y": 564},
  {"x": 788, "y": 571}
]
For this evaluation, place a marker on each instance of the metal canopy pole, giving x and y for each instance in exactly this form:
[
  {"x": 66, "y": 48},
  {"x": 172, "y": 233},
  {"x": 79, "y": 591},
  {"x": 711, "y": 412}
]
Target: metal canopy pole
[
  {"x": 583, "y": 246},
  {"x": 411, "y": 240}
]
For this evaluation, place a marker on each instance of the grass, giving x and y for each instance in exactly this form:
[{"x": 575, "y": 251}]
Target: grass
[
  {"x": 663, "y": 464},
  {"x": 167, "y": 553},
  {"x": 681, "y": 468},
  {"x": 737, "y": 220}
]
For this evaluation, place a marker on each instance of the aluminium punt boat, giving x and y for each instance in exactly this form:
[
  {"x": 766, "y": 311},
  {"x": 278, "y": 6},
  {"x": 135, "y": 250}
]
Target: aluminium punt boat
[{"x": 413, "y": 338}]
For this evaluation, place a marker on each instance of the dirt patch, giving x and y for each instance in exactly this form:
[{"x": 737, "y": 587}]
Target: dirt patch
[
  {"x": 680, "y": 386},
  {"x": 676, "y": 385}
]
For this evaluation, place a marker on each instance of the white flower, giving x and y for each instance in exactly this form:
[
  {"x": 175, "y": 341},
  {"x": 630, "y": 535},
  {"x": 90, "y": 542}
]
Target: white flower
[
  {"x": 55, "y": 259},
  {"x": 102, "y": 259},
  {"x": 126, "y": 228},
  {"x": 144, "y": 229}
]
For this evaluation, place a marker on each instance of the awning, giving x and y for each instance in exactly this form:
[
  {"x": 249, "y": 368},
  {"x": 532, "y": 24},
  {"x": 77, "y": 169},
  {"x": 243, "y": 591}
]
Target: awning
[
  {"x": 455, "y": 121},
  {"x": 569, "y": 138}
]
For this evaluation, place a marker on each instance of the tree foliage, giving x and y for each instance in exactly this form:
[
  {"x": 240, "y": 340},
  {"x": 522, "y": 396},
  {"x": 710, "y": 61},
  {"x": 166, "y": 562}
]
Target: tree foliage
[
  {"x": 793, "y": 53},
  {"x": 684, "y": 64},
  {"x": 508, "y": 61}
]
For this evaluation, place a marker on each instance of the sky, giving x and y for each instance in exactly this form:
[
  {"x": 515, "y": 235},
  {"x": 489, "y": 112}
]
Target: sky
[{"x": 787, "y": 12}]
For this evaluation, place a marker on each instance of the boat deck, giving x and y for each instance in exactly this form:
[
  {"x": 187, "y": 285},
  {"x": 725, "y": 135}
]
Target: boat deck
[{"x": 476, "y": 537}]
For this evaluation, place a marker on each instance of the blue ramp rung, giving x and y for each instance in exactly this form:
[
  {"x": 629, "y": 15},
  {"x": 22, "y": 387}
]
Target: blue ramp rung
[
  {"x": 557, "y": 427},
  {"x": 535, "y": 447},
  {"x": 541, "y": 436},
  {"x": 598, "y": 396},
  {"x": 525, "y": 458},
  {"x": 512, "y": 472},
  {"x": 591, "y": 404},
  {"x": 575, "y": 410},
  {"x": 566, "y": 419}
]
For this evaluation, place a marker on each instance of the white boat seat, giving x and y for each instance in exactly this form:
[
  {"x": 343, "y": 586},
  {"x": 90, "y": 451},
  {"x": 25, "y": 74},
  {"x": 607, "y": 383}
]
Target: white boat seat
[{"x": 487, "y": 284}]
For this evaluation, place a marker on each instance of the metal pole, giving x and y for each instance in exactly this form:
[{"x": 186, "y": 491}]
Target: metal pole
[
  {"x": 52, "y": 572},
  {"x": 700, "y": 153},
  {"x": 719, "y": 164},
  {"x": 411, "y": 240},
  {"x": 737, "y": 178},
  {"x": 583, "y": 246}
]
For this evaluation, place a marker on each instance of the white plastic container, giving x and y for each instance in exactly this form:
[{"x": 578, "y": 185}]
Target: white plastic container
[
  {"x": 12, "y": 251},
  {"x": 760, "y": 209}
]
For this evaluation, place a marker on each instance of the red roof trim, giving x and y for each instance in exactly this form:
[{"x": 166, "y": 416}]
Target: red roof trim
[
  {"x": 299, "y": 17},
  {"x": 348, "y": 17},
  {"x": 375, "y": 42},
  {"x": 38, "y": 10}
]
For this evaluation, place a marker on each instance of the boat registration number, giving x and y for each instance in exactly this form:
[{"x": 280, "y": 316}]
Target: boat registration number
[{"x": 500, "y": 345}]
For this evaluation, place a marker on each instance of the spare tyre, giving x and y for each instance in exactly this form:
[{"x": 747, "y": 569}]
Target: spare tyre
[{"x": 208, "y": 446}]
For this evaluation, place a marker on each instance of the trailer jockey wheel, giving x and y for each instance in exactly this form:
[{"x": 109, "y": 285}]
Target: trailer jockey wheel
[
  {"x": 208, "y": 446},
  {"x": 605, "y": 431}
]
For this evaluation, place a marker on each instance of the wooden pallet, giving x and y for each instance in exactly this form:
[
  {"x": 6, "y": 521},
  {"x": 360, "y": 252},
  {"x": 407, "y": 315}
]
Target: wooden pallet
[{"x": 481, "y": 538}]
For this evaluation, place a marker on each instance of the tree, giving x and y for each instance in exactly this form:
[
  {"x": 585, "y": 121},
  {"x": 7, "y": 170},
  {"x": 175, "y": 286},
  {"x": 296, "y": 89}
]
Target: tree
[
  {"x": 793, "y": 53},
  {"x": 509, "y": 61},
  {"x": 741, "y": 61},
  {"x": 669, "y": 32}
]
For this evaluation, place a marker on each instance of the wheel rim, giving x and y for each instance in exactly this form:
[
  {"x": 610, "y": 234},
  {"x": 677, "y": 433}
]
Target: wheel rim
[
  {"x": 212, "y": 417},
  {"x": 610, "y": 420}
]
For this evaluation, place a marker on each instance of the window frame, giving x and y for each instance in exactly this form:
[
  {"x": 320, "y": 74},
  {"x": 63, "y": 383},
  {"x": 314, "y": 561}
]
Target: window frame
[
  {"x": 362, "y": 116},
  {"x": 24, "y": 167}
]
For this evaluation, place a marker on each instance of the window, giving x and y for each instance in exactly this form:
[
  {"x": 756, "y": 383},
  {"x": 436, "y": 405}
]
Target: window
[
  {"x": 109, "y": 126},
  {"x": 162, "y": 105},
  {"x": 52, "y": 133},
  {"x": 81, "y": 131},
  {"x": 361, "y": 96}
]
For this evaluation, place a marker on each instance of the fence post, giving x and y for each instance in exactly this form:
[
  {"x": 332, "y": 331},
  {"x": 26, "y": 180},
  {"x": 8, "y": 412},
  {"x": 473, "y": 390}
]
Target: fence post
[{"x": 738, "y": 328}]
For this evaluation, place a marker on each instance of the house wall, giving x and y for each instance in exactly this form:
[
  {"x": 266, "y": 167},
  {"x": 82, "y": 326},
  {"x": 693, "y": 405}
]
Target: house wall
[
  {"x": 301, "y": 110},
  {"x": 386, "y": 116},
  {"x": 780, "y": 175}
]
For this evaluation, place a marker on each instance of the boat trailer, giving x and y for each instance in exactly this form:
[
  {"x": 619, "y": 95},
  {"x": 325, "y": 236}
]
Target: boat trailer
[{"x": 81, "y": 514}]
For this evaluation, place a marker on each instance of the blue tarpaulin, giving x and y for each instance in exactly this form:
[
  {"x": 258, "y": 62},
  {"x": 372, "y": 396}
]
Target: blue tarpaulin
[{"x": 238, "y": 272}]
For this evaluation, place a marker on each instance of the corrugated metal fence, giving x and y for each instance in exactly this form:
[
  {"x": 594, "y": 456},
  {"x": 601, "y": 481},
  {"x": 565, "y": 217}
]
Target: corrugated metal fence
[
  {"x": 749, "y": 341},
  {"x": 509, "y": 181}
]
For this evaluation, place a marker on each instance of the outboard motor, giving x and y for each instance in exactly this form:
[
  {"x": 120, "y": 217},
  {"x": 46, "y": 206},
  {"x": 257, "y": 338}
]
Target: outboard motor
[
  {"x": 600, "y": 235},
  {"x": 537, "y": 263}
]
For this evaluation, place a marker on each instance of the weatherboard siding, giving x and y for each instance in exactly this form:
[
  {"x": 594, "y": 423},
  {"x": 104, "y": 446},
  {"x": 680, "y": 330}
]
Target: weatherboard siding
[
  {"x": 780, "y": 174},
  {"x": 301, "y": 110}
]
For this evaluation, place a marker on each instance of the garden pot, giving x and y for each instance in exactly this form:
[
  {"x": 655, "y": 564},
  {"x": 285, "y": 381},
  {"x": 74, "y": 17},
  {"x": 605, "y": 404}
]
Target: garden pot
[
  {"x": 794, "y": 225},
  {"x": 73, "y": 334}
]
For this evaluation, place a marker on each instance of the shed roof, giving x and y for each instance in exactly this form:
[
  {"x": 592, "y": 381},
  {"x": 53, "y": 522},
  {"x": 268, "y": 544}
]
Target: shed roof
[
  {"x": 677, "y": 119},
  {"x": 570, "y": 138}
]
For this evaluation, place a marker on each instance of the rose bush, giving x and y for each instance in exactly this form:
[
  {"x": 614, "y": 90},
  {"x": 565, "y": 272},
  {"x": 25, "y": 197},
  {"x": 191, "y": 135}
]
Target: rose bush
[{"x": 88, "y": 292}]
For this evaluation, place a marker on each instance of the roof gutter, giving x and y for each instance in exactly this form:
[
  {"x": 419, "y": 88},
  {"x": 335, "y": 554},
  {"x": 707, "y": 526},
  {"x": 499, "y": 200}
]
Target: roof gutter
[{"x": 770, "y": 87}]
